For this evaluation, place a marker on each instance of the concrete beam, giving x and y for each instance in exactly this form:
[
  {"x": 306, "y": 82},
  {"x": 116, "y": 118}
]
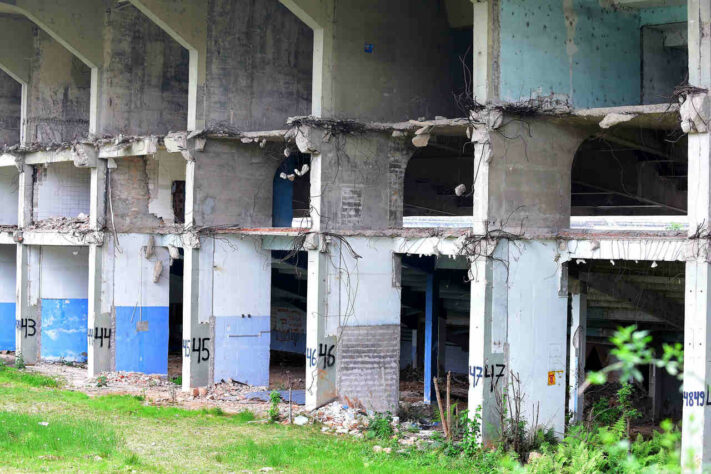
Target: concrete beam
[
  {"x": 186, "y": 22},
  {"x": 648, "y": 301}
]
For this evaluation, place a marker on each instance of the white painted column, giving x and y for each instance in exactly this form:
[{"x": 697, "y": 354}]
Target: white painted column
[
  {"x": 27, "y": 306},
  {"x": 198, "y": 340},
  {"x": 487, "y": 339},
  {"x": 696, "y": 418},
  {"x": 578, "y": 329},
  {"x": 101, "y": 334}
]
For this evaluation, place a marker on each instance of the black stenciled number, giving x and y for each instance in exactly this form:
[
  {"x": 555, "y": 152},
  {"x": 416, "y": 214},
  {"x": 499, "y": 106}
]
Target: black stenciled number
[
  {"x": 101, "y": 334},
  {"x": 326, "y": 351},
  {"x": 200, "y": 346},
  {"x": 26, "y": 325}
]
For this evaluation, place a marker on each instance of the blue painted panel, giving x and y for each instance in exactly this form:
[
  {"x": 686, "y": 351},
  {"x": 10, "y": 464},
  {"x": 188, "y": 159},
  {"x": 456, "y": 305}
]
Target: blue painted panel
[
  {"x": 7, "y": 326},
  {"x": 64, "y": 328},
  {"x": 142, "y": 347},
  {"x": 242, "y": 349}
]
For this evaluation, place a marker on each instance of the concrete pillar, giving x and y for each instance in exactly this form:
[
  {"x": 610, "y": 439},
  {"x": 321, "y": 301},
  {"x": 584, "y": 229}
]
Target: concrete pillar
[
  {"x": 25, "y": 191},
  {"x": 655, "y": 391},
  {"x": 28, "y": 318},
  {"x": 696, "y": 423},
  {"x": 198, "y": 335},
  {"x": 320, "y": 371},
  {"x": 486, "y": 37},
  {"x": 101, "y": 334},
  {"x": 352, "y": 188},
  {"x": 576, "y": 374},
  {"x": 519, "y": 311},
  {"x": 487, "y": 338}
]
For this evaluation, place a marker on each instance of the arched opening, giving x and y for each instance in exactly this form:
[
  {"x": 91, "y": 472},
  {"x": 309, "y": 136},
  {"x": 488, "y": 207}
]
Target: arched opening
[
  {"x": 290, "y": 203},
  {"x": 630, "y": 177}
]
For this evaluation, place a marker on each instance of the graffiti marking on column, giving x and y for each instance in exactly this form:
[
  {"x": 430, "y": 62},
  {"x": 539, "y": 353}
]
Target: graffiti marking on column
[
  {"x": 199, "y": 345},
  {"x": 325, "y": 351},
  {"x": 28, "y": 326},
  {"x": 698, "y": 398},
  {"x": 493, "y": 372},
  {"x": 99, "y": 334}
]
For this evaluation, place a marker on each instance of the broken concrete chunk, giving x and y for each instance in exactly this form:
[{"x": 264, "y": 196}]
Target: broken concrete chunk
[
  {"x": 301, "y": 420},
  {"x": 460, "y": 190},
  {"x": 174, "y": 252},
  {"x": 150, "y": 247},
  {"x": 421, "y": 141},
  {"x": 615, "y": 118},
  {"x": 157, "y": 270},
  {"x": 302, "y": 142},
  {"x": 695, "y": 113},
  {"x": 176, "y": 142}
]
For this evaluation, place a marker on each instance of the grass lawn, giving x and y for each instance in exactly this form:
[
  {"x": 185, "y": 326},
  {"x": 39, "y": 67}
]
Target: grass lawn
[{"x": 45, "y": 428}]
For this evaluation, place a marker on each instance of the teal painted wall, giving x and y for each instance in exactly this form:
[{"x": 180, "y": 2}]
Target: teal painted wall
[{"x": 574, "y": 48}]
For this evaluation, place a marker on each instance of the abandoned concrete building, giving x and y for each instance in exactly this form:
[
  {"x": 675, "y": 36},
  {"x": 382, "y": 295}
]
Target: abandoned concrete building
[{"x": 487, "y": 187}]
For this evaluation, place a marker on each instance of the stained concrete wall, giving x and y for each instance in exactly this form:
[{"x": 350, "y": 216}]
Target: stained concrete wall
[
  {"x": 528, "y": 178},
  {"x": 145, "y": 77},
  {"x": 358, "y": 179},
  {"x": 10, "y": 105},
  {"x": 7, "y": 297},
  {"x": 58, "y": 97},
  {"x": 63, "y": 285},
  {"x": 60, "y": 190},
  {"x": 663, "y": 68},
  {"x": 407, "y": 75},
  {"x": 9, "y": 194},
  {"x": 247, "y": 171},
  {"x": 573, "y": 48},
  {"x": 259, "y": 65}
]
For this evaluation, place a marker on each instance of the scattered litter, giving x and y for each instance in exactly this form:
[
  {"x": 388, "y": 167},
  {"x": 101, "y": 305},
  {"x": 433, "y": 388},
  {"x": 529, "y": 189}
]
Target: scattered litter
[{"x": 43, "y": 423}]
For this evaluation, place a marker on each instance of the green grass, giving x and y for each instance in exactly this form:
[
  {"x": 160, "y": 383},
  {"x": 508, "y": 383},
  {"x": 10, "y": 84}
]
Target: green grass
[{"x": 123, "y": 433}]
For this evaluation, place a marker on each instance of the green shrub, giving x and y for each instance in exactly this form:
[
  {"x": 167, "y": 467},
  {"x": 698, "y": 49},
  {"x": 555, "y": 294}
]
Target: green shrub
[
  {"x": 273, "y": 412},
  {"x": 380, "y": 426}
]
